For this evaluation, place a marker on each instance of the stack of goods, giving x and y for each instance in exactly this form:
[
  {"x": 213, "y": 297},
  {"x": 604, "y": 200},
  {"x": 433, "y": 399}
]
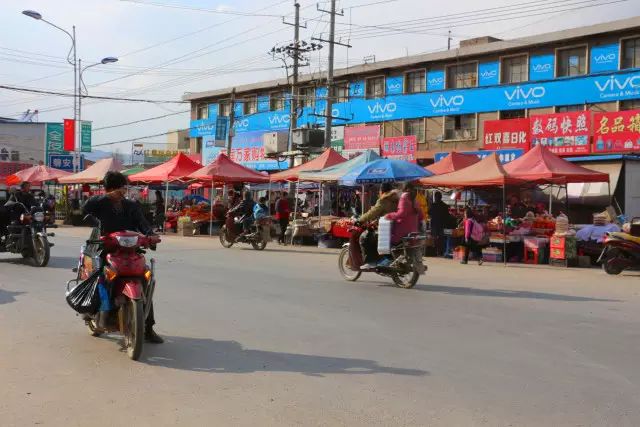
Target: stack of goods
[
  {"x": 340, "y": 228},
  {"x": 185, "y": 226},
  {"x": 492, "y": 255}
]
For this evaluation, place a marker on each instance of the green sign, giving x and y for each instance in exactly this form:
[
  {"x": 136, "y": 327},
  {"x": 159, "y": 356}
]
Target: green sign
[
  {"x": 54, "y": 139},
  {"x": 85, "y": 137}
]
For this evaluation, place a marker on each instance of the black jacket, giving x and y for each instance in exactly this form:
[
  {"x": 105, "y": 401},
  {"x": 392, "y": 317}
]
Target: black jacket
[
  {"x": 26, "y": 199},
  {"x": 128, "y": 218},
  {"x": 245, "y": 208}
]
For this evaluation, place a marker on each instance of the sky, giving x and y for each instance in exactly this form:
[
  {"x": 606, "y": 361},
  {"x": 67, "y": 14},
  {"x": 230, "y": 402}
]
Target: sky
[{"x": 168, "y": 47}]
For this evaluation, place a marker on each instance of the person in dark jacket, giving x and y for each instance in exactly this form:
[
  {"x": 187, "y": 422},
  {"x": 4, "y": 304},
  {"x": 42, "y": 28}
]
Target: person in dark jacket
[
  {"x": 440, "y": 217},
  {"x": 282, "y": 215},
  {"x": 244, "y": 209},
  {"x": 24, "y": 196},
  {"x": 116, "y": 213}
]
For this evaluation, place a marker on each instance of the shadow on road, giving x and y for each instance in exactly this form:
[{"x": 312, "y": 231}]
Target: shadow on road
[
  {"x": 63, "y": 262},
  {"x": 207, "y": 355},
  {"x": 7, "y": 297},
  {"x": 505, "y": 293}
]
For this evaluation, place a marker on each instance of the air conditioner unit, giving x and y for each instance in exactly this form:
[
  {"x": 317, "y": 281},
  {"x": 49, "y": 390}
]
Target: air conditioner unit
[
  {"x": 308, "y": 137},
  {"x": 275, "y": 142}
]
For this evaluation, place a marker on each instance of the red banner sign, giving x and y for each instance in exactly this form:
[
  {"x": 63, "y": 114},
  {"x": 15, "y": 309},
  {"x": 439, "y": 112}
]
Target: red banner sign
[
  {"x": 69, "y": 135},
  {"x": 400, "y": 147},
  {"x": 506, "y": 134},
  {"x": 616, "y": 132},
  {"x": 562, "y": 133},
  {"x": 362, "y": 137}
]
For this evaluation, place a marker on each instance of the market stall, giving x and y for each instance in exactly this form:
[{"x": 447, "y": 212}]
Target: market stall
[
  {"x": 453, "y": 162},
  {"x": 36, "y": 175},
  {"x": 94, "y": 174}
]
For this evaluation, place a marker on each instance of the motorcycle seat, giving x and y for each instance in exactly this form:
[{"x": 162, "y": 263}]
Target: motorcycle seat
[{"x": 627, "y": 236}]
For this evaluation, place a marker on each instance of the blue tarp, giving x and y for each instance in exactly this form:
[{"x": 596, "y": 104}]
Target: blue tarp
[{"x": 384, "y": 170}]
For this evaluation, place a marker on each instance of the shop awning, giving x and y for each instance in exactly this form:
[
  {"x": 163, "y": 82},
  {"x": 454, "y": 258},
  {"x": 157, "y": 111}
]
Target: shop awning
[
  {"x": 223, "y": 169},
  {"x": 487, "y": 172},
  {"x": 596, "y": 193},
  {"x": 94, "y": 173},
  {"x": 453, "y": 162},
  {"x": 329, "y": 158},
  {"x": 176, "y": 169},
  {"x": 539, "y": 165},
  {"x": 335, "y": 172}
]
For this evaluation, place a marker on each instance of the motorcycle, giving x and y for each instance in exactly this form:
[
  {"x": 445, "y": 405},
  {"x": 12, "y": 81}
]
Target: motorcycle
[
  {"x": 406, "y": 265},
  {"x": 130, "y": 282},
  {"x": 621, "y": 250},
  {"x": 258, "y": 236},
  {"x": 26, "y": 233}
]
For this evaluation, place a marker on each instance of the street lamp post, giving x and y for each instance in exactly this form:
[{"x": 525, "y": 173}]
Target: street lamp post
[
  {"x": 81, "y": 85},
  {"x": 72, "y": 54}
]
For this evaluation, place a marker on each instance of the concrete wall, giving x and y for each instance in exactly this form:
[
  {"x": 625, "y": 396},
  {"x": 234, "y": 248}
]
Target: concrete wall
[
  {"x": 22, "y": 142},
  {"x": 632, "y": 189}
]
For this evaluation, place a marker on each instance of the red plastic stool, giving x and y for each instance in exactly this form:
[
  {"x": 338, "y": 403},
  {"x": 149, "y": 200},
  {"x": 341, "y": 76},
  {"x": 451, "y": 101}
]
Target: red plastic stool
[{"x": 531, "y": 255}]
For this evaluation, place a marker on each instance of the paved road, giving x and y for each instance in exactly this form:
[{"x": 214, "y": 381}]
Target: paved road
[{"x": 277, "y": 338}]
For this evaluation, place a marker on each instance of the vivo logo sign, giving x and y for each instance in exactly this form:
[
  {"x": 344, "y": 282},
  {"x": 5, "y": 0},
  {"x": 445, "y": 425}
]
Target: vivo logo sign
[
  {"x": 520, "y": 94},
  {"x": 241, "y": 124},
  {"x": 444, "y": 101},
  {"x": 603, "y": 59},
  {"x": 488, "y": 74},
  {"x": 395, "y": 86},
  {"x": 436, "y": 81},
  {"x": 279, "y": 120},
  {"x": 542, "y": 68},
  {"x": 615, "y": 83},
  {"x": 379, "y": 108}
]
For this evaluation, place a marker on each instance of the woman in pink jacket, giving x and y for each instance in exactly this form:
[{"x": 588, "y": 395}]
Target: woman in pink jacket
[{"x": 407, "y": 218}]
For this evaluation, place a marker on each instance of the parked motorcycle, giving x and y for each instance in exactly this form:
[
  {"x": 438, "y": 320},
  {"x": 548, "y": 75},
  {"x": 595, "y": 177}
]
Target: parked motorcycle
[
  {"x": 621, "y": 250},
  {"x": 130, "y": 282},
  {"x": 258, "y": 236},
  {"x": 406, "y": 265},
  {"x": 26, "y": 233}
]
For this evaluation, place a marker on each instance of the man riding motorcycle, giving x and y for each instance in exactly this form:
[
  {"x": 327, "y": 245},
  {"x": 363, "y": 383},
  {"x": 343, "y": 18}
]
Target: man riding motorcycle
[
  {"x": 116, "y": 213},
  {"x": 387, "y": 203},
  {"x": 24, "y": 196},
  {"x": 245, "y": 210}
]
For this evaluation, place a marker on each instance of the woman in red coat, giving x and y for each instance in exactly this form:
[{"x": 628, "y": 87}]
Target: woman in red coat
[{"x": 407, "y": 218}]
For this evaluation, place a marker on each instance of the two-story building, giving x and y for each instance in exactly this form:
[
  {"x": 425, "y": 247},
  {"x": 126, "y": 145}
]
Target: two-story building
[{"x": 445, "y": 98}]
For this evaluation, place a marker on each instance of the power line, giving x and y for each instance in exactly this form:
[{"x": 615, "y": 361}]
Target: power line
[
  {"x": 140, "y": 121},
  {"x": 221, "y": 11},
  {"x": 106, "y": 98}
]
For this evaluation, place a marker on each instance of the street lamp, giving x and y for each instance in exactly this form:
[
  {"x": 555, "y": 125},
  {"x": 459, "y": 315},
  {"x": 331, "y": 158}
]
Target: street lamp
[{"x": 71, "y": 60}]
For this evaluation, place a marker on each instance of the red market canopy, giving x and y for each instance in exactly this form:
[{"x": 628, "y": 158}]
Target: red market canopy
[
  {"x": 487, "y": 172},
  {"x": 176, "y": 169},
  {"x": 329, "y": 158},
  {"x": 541, "y": 166},
  {"x": 94, "y": 173},
  {"x": 453, "y": 162},
  {"x": 224, "y": 169},
  {"x": 36, "y": 174}
]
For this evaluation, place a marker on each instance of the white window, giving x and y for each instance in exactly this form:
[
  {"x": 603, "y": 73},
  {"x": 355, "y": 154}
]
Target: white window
[
  {"x": 307, "y": 96},
  {"x": 631, "y": 53},
  {"x": 572, "y": 62},
  {"x": 202, "y": 111},
  {"x": 415, "y": 127},
  {"x": 415, "y": 82},
  {"x": 460, "y": 128},
  {"x": 375, "y": 87},
  {"x": 250, "y": 105},
  {"x": 462, "y": 76},
  {"x": 276, "y": 101},
  {"x": 514, "y": 69},
  {"x": 341, "y": 92},
  {"x": 393, "y": 128}
]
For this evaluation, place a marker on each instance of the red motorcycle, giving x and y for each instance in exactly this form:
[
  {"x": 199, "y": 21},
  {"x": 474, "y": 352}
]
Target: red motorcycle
[
  {"x": 130, "y": 281},
  {"x": 406, "y": 259},
  {"x": 621, "y": 250}
]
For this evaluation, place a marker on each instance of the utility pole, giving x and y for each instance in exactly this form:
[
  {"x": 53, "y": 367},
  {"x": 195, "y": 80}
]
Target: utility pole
[
  {"x": 293, "y": 120},
  {"x": 231, "y": 133},
  {"x": 449, "y": 41},
  {"x": 330, "y": 87}
]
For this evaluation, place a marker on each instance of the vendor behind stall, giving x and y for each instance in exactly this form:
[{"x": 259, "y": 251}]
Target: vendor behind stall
[{"x": 518, "y": 209}]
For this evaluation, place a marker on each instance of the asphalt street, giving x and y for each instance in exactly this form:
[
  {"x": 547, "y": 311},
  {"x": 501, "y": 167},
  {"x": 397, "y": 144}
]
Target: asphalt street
[{"x": 278, "y": 338}]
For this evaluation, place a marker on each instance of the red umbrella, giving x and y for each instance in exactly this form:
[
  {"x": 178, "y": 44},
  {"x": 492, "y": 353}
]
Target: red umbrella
[
  {"x": 36, "y": 174},
  {"x": 453, "y": 162},
  {"x": 94, "y": 173},
  {"x": 176, "y": 169},
  {"x": 329, "y": 158},
  {"x": 223, "y": 169}
]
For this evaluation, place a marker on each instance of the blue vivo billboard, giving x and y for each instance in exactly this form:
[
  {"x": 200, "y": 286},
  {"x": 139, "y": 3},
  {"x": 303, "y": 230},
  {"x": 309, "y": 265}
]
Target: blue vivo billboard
[
  {"x": 435, "y": 80},
  {"x": 264, "y": 103},
  {"x": 604, "y": 58},
  {"x": 395, "y": 85},
  {"x": 203, "y": 127},
  {"x": 248, "y": 150},
  {"x": 541, "y": 67},
  {"x": 356, "y": 89},
  {"x": 505, "y": 156},
  {"x": 489, "y": 73}
]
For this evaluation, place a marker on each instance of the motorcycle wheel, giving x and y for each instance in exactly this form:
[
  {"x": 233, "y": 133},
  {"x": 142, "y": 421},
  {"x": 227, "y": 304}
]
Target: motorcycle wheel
[
  {"x": 41, "y": 251},
  {"x": 223, "y": 238},
  {"x": 344, "y": 265},
  {"x": 406, "y": 281},
  {"x": 134, "y": 329},
  {"x": 609, "y": 268},
  {"x": 259, "y": 244}
]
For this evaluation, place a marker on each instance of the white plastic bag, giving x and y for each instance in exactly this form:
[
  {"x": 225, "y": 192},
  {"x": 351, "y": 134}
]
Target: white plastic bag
[{"x": 384, "y": 236}]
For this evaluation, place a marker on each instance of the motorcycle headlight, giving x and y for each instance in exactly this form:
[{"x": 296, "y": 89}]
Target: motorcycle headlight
[
  {"x": 127, "y": 241},
  {"x": 38, "y": 216}
]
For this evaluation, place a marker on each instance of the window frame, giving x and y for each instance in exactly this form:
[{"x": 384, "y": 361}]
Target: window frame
[
  {"x": 621, "y": 50},
  {"x": 221, "y": 104},
  {"x": 526, "y": 114},
  {"x": 366, "y": 86},
  {"x": 446, "y": 74},
  {"x": 202, "y": 107},
  {"x": 620, "y": 102},
  {"x": 555, "y": 108},
  {"x": 515, "y": 55},
  {"x": 406, "y": 80},
  {"x": 344, "y": 84},
  {"x": 571, "y": 47},
  {"x": 390, "y": 122},
  {"x": 302, "y": 102},
  {"x": 279, "y": 96},
  {"x": 246, "y": 102},
  {"x": 444, "y": 128},
  {"x": 424, "y": 129}
]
